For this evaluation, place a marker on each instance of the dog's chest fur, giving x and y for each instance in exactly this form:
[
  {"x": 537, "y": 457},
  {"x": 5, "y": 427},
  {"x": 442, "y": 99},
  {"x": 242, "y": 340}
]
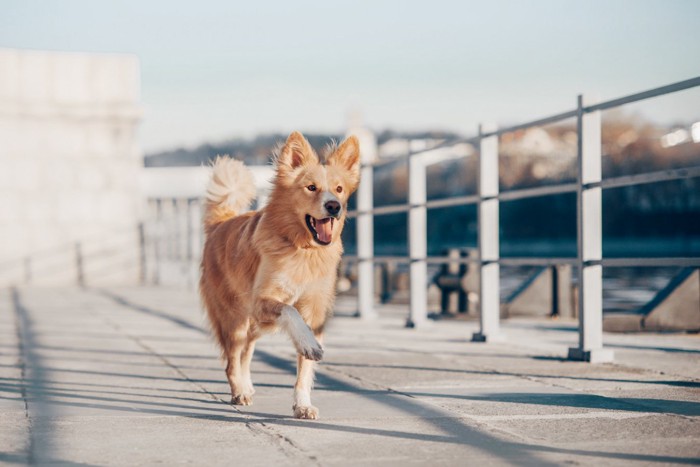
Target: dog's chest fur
[{"x": 306, "y": 272}]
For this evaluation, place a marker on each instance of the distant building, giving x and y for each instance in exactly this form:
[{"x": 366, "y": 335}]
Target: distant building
[{"x": 69, "y": 167}]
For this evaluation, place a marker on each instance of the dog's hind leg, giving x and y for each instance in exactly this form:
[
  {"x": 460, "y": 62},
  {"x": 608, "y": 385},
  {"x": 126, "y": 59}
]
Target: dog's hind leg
[
  {"x": 241, "y": 389},
  {"x": 302, "y": 388}
]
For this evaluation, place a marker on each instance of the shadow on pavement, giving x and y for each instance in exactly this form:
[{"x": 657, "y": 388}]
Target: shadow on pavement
[
  {"x": 688, "y": 384},
  {"x": 460, "y": 432},
  {"x": 455, "y": 430}
]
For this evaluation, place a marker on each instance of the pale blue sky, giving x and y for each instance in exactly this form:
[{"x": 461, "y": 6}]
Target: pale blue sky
[{"x": 218, "y": 69}]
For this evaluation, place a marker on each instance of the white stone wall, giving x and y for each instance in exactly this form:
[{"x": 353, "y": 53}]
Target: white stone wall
[{"x": 69, "y": 167}]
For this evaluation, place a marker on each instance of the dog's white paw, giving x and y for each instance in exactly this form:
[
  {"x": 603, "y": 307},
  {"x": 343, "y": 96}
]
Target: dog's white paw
[
  {"x": 305, "y": 412},
  {"x": 242, "y": 399},
  {"x": 312, "y": 352}
]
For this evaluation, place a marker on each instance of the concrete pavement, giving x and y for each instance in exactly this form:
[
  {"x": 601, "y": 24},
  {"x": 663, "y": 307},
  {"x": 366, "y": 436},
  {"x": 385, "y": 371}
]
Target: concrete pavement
[{"x": 130, "y": 377}]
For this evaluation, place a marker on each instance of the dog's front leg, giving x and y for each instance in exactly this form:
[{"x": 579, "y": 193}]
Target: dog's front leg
[
  {"x": 302, "y": 389},
  {"x": 289, "y": 319},
  {"x": 303, "y": 338}
]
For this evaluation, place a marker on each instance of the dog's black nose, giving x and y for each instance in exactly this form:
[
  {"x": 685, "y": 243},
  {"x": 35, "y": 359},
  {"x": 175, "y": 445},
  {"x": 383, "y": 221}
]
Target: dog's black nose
[{"x": 333, "y": 207}]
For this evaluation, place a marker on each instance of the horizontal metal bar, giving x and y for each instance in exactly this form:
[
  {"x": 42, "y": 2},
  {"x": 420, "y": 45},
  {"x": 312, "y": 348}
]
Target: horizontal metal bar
[
  {"x": 388, "y": 259},
  {"x": 660, "y": 91},
  {"x": 542, "y": 261},
  {"x": 391, "y": 209},
  {"x": 533, "y": 123},
  {"x": 448, "y": 260},
  {"x": 474, "y": 199},
  {"x": 650, "y": 262},
  {"x": 382, "y": 210},
  {"x": 438, "y": 203},
  {"x": 455, "y": 201},
  {"x": 537, "y": 191},
  {"x": 536, "y": 261},
  {"x": 651, "y": 177},
  {"x": 615, "y": 182},
  {"x": 392, "y": 259},
  {"x": 378, "y": 259},
  {"x": 406, "y": 259}
]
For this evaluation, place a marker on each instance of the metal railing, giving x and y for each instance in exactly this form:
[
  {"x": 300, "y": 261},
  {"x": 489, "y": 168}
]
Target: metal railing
[
  {"x": 588, "y": 187},
  {"x": 117, "y": 255},
  {"x": 164, "y": 248}
]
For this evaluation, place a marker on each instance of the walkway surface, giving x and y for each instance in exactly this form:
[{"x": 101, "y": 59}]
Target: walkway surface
[{"x": 130, "y": 377}]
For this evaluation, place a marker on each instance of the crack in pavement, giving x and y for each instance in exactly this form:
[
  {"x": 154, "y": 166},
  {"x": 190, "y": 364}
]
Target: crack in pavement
[
  {"x": 452, "y": 425},
  {"x": 259, "y": 427}
]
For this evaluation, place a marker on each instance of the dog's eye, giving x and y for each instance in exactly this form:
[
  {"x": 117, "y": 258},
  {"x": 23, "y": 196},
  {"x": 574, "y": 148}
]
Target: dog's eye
[
  {"x": 311, "y": 187},
  {"x": 339, "y": 189}
]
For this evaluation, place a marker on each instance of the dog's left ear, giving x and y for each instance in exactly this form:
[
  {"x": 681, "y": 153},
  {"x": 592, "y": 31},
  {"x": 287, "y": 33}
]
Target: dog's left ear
[{"x": 347, "y": 156}]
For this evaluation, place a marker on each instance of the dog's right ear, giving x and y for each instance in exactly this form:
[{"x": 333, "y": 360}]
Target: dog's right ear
[{"x": 295, "y": 153}]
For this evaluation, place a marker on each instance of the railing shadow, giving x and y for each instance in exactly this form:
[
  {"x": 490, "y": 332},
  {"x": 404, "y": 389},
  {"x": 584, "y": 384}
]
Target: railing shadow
[{"x": 457, "y": 431}]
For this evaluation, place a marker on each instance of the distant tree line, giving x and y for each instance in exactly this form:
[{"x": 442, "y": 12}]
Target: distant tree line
[{"x": 259, "y": 150}]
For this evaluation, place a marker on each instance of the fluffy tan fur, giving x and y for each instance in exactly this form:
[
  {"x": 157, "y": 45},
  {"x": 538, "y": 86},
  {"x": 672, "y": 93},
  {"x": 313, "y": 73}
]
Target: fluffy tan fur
[
  {"x": 230, "y": 190},
  {"x": 266, "y": 270}
]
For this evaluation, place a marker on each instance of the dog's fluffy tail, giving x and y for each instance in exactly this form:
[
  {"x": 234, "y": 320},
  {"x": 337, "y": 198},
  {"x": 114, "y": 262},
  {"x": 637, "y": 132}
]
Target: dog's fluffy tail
[{"x": 230, "y": 191}]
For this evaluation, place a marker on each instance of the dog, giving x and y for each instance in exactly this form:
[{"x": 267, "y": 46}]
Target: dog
[{"x": 275, "y": 269}]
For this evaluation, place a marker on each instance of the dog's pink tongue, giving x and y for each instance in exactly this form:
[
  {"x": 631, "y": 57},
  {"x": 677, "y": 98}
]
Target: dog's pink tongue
[{"x": 324, "y": 228}]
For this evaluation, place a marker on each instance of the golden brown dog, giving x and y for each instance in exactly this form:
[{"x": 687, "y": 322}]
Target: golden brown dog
[{"x": 276, "y": 268}]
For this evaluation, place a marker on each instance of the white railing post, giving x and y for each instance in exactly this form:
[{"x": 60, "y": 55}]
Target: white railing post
[
  {"x": 489, "y": 270},
  {"x": 365, "y": 225},
  {"x": 589, "y": 221},
  {"x": 417, "y": 242}
]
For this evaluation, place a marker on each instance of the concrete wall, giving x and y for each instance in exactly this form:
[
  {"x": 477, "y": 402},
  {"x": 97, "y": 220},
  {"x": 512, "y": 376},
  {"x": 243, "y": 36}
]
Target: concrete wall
[{"x": 69, "y": 166}]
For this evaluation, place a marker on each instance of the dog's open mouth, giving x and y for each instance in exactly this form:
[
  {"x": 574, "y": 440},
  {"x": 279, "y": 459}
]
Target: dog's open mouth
[{"x": 322, "y": 229}]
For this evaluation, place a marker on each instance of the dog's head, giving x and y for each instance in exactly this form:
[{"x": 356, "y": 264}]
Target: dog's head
[{"x": 316, "y": 193}]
